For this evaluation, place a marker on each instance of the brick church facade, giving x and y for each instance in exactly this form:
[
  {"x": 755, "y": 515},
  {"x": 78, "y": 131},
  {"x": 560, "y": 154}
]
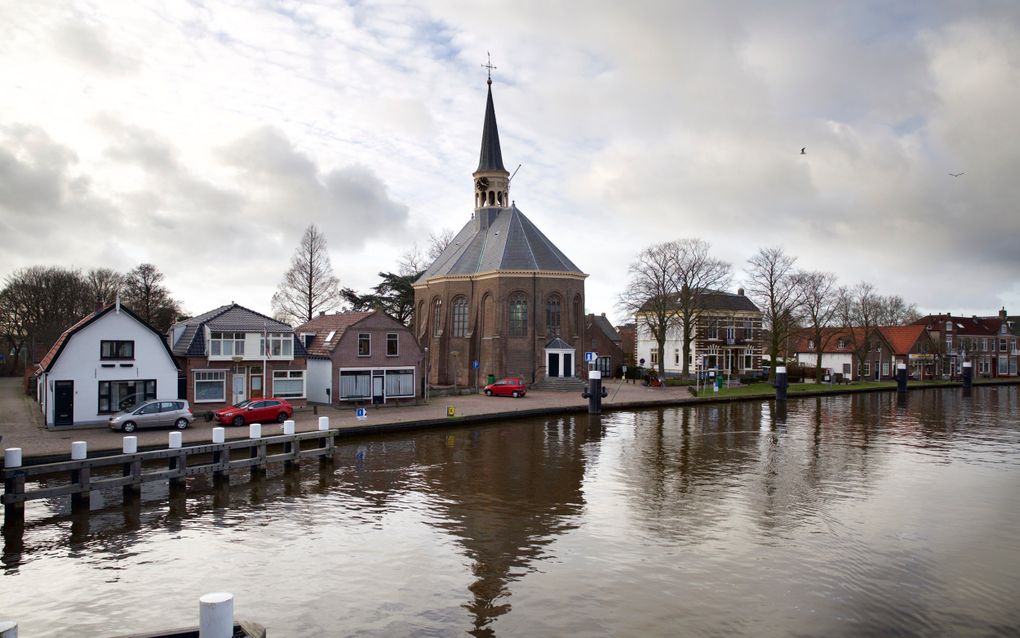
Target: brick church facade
[{"x": 501, "y": 293}]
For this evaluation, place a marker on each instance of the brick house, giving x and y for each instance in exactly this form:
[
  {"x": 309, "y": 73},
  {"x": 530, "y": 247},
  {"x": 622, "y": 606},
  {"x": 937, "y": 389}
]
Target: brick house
[
  {"x": 848, "y": 352},
  {"x": 912, "y": 345},
  {"x": 224, "y": 359},
  {"x": 361, "y": 357},
  {"x": 987, "y": 342},
  {"x": 605, "y": 341},
  {"x": 628, "y": 342}
]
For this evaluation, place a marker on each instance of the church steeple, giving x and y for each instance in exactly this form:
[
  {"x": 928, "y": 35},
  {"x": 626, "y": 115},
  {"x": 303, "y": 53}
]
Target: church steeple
[{"x": 492, "y": 181}]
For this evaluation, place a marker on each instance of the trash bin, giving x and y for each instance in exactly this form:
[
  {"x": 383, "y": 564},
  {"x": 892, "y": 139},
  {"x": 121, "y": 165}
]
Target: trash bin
[{"x": 489, "y": 380}]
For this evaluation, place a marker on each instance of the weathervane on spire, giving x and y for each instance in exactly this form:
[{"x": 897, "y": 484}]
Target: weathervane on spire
[{"x": 489, "y": 66}]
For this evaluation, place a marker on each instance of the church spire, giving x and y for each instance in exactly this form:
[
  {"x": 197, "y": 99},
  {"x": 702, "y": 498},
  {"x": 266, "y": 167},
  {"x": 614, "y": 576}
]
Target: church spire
[{"x": 492, "y": 183}]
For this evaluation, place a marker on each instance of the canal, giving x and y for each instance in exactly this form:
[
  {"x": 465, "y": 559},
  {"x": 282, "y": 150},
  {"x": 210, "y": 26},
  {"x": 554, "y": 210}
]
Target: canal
[{"x": 837, "y": 516}]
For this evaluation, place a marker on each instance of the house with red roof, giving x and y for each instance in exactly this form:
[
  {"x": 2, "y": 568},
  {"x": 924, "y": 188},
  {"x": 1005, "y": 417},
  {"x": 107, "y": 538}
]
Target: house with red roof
[
  {"x": 842, "y": 350},
  {"x": 913, "y": 346},
  {"x": 108, "y": 361},
  {"x": 987, "y": 342},
  {"x": 361, "y": 357}
]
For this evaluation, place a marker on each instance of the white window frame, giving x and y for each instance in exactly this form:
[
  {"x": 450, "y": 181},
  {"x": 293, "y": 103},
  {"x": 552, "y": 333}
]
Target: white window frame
[
  {"x": 219, "y": 339},
  {"x": 356, "y": 372},
  {"x": 281, "y": 345},
  {"x": 289, "y": 375},
  {"x": 402, "y": 371},
  {"x": 215, "y": 372}
]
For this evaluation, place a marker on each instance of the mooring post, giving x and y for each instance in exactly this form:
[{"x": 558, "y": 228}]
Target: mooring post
[
  {"x": 80, "y": 476},
  {"x": 323, "y": 424},
  {"x": 221, "y": 457},
  {"x": 781, "y": 383},
  {"x": 132, "y": 468},
  {"x": 290, "y": 447},
  {"x": 968, "y": 375},
  {"x": 216, "y": 615},
  {"x": 8, "y": 629},
  {"x": 14, "y": 487},
  {"x": 255, "y": 432},
  {"x": 595, "y": 392},
  {"x": 178, "y": 462},
  {"x": 326, "y": 443},
  {"x": 901, "y": 377}
]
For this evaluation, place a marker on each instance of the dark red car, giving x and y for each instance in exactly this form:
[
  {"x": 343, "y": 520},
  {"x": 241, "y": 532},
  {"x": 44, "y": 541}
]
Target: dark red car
[
  {"x": 256, "y": 411},
  {"x": 509, "y": 387}
]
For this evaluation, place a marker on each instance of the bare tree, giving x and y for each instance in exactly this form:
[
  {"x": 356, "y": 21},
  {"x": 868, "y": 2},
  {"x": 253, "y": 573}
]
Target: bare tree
[
  {"x": 650, "y": 295},
  {"x": 438, "y": 242},
  {"x": 144, "y": 293},
  {"x": 39, "y": 303},
  {"x": 695, "y": 272},
  {"x": 415, "y": 262},
  {"x": 104, "y": 284},
  {"x": 773, "y": 285},
  {"x": 893, "y": 311},
  {"x": 859, "y": 311},
  {"x": 819, "y": 310},
  {"x": 309, "y": 286}
]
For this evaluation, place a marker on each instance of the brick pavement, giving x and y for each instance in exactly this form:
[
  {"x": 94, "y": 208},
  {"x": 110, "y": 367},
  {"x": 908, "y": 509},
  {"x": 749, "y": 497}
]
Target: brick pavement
[{"x": 21, "y": 422}]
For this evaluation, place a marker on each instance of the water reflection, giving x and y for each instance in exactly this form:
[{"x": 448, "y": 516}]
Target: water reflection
[{"x": 824, "y": 516}]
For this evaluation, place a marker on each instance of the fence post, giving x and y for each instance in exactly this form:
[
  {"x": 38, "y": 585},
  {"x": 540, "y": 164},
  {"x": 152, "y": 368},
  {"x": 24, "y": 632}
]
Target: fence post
[
  {"x": 216, "y": 615},
  {"x": 178, "y": 462},
  {"x": 781, "y": 383},
  {"x": 221, "y": 457},
  {"x": 14, "y": 486},
  {"x": 291, "y": 447},
  {"x": 326, "y": 443},
  {"x": 132, "y": 468},
  {"x": 257, "y": 451},
  {"x": 968, "y": 375},
  {"x": 901, "y": 377},
  {"x": 81, "y": 477}
]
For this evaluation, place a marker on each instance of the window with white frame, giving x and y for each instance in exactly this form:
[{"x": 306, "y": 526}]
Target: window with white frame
[
  {"x": 289, "y": 384},
  {"x": 210, "y": 385},
  {"x": 654, "y": 357},
  {"x": 949, "y": 326},
  {"x": 281, "y": 344},
  {"x": 713, "y": 329},
  {"x": 865, "y": 370},
  {"x": 355, "y": 385},
  {"x": 676, "y": 357},
  {"x": 400, "y": 383},
  {"x": 364, "y": 344},
  {"x": 392, "y": 344},
  {"x": 226, "y": 344},
  {"x": 731, "y": 333},
  {"x": 749, "y": 359}
]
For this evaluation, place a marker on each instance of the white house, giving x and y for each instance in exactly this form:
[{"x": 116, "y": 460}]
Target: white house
[{"x": 107, "y": 361}]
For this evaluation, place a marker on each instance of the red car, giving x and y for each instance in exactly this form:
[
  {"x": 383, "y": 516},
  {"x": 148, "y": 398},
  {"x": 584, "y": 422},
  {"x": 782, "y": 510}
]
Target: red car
[
  {"x": 509, "y": 387},
  {"x": 256, "y": 411}
]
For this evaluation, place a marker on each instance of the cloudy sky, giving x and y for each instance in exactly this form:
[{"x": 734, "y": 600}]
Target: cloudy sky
[{"x": 204, "y": 137}]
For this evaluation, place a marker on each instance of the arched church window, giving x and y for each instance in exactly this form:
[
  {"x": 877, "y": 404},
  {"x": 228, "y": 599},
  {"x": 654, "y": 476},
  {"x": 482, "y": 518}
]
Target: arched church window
[
  {"x": 492, "y": 197},
  {"x": 420, "y": 319},
  {"x": 437, "y": 317},
  {"x": 552, "y": 316},
  {"x": 518, "y": 315},
  {"x": 578, "y": 326},
  {"x": 460, "y": 316},
  {"x": 499, "y": 198}
]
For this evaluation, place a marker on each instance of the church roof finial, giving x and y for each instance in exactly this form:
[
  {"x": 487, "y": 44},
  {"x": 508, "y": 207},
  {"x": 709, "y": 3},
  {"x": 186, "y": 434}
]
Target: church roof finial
[
  {"x": 489, "y": 66},
  {"x": 491, "y": 157}
]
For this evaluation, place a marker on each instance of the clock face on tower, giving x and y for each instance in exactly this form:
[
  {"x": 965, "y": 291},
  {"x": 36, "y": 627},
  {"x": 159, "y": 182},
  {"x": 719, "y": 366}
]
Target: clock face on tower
[{"x": 482, "y": 183}]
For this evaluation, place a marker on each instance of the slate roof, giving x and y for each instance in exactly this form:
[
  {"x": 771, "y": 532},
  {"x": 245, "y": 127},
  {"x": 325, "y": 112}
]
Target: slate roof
[
  {"x": 559, "y": 344},
  {"x": 231, "y": 317},
  {"x": 490, "y": 158},
  {"x": 499, "y": 239},
  {"x": 319, "y": 348},
  {"x": 603, "y": 324},
  {"x": 54, "y": 352},
  {"x": 721, "y": 300},
  {"x": 987, "y": 326}
]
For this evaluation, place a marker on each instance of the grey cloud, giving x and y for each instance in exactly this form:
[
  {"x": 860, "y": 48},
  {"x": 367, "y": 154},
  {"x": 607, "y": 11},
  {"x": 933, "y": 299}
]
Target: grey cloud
[
  {"x": 89, "y": 46},
  {"x": 35, "y": 171}
]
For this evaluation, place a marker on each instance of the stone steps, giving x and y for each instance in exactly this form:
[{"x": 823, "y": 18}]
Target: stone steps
[{"x": 561, "y": 384}]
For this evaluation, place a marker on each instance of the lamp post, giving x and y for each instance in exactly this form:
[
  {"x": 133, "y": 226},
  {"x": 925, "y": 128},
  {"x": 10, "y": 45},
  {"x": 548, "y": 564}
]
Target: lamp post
[{"x": 426, "y": 374}]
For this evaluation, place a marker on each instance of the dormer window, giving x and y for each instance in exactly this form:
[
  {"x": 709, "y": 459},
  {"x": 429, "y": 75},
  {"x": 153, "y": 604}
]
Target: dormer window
[
  {"x": 841, "y": 344},
  {"x": 811, "y": 344},
  {"x": 949, "y": 326}
]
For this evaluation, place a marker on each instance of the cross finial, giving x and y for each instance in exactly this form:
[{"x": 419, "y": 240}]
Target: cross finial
[{"x": 489, "y": 66}]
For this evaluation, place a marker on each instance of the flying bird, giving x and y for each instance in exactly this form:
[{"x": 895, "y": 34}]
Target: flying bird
[
  {"x": 956, "y": 174},
  {"x": 803, "y": 150}
]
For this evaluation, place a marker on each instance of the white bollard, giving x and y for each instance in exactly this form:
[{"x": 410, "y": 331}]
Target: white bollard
[
  {"x": 216, "y": 615},
  {"x": 79, "y": 450},
  {"x": 176, "y": 439},
  {"x": 130, "y": 445},
  {"x": 255, "y": 431},
  {"x": 219, "y": 435},
  {"x": 8, "y": 628},
  {"x": 288, "y": 426},
  {"x": 323, "y": 423},
  {"x": 12, "y": 457}
]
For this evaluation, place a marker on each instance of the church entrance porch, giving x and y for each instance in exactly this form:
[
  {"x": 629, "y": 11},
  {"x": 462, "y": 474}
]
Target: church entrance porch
[{"x": 559, "y": 359}]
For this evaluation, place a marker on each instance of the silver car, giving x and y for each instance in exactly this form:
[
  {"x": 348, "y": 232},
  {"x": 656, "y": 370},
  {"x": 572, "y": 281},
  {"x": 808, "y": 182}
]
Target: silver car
[{"x": 154, "y": 414}]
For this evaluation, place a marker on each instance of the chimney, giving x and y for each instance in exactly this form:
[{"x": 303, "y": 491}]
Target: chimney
[
  {"x": 1002, "y": 313},
  {"x": 740, "y": 291},
  {"x": 322, "y": 313}
]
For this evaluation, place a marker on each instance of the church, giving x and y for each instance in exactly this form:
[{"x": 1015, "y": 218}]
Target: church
[{"x": 502, "y": 299}]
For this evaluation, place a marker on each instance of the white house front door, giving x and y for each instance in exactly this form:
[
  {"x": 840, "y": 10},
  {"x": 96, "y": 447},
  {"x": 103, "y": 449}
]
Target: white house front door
[{"x": 239, "y": 384}]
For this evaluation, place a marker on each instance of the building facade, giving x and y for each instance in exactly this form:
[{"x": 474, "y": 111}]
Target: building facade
[
  {"x": 233, "y": 354},
  {"x": 109, "y": 361},
  {"x": 361, "y": 357},
  {"x": 727, "y": 338},
  {"x": 502, "y": 299},
  {"x": 987, "y": 342}
]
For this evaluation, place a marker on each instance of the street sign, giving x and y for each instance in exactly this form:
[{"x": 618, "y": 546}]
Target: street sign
[
  {"x": 361, "y": 414},
  {"x": 590, "y": 357},
  {"x": 475, "y": 364},
  {"x": 451, "y": 411}
]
